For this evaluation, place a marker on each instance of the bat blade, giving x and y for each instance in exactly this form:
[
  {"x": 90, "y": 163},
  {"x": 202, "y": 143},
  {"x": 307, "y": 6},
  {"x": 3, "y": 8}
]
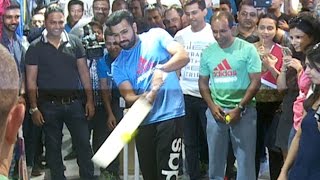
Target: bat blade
[{"x": 112, "y": 146}]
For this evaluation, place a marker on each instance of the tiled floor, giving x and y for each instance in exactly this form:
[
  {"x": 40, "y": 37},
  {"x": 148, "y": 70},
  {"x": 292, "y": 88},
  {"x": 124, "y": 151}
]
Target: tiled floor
[{"x": 72, "y": 171}]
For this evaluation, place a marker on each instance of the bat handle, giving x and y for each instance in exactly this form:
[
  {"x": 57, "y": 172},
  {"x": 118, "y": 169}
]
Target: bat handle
[
  {"x": 154, "y": 90},
  {"x": 150, "y": 96}
]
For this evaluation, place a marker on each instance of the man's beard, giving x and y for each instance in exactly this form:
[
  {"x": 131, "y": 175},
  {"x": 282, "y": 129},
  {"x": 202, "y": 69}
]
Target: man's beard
[
  {"x": 11, "y": 27},
  {"x": 131, "y": 43},
  {"x": 172, "y": 30}
]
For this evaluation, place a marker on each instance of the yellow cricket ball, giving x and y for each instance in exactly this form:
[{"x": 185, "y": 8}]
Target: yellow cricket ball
[
  {"x": 228, "y": 119},
  {"x": 126, "y": 137}
]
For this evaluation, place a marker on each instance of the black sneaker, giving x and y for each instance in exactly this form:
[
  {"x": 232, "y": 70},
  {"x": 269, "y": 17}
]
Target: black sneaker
[
  {"x": 36, "y": 171},
  {"x": 70, "y": 156}
]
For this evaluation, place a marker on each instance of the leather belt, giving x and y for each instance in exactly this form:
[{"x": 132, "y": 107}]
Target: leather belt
[{"x": 61, "y": 100}]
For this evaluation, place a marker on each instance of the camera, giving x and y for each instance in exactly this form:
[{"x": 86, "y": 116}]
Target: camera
[{"x": 94, "y": 49}]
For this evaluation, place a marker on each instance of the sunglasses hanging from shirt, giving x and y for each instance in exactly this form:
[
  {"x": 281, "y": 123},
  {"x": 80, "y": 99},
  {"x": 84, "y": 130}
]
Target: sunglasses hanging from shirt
[{"x": 317, "y": 117}]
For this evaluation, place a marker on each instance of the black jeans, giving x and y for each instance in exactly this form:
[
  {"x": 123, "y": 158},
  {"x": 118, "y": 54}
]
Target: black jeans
[
  {"x": 98, "y": 124},
  {"x": 265, "y": 114},
  {"x": 195, "y": 124},
  {"x": 33, "y": 141},
  {"x": 159, "y": 147},
  {"x": 73, "y": 116}
]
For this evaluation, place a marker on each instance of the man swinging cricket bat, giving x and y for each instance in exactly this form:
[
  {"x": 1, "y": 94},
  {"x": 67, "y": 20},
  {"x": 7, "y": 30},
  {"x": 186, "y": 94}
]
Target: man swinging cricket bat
[{"x": 145, "y": 57}]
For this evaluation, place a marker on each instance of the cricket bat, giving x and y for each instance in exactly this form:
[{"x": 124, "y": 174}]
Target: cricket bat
[
  {"x": 123, "y": 133},
  {"x": 127, "y": 127}
]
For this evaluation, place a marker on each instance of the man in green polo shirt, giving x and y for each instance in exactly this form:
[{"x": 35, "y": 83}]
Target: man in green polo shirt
[
  {"x": 233, "y": 68},
  {"x": 11, "y": 112}
]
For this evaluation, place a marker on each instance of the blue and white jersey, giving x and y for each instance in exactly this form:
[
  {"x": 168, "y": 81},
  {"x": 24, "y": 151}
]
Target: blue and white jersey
[{"x": 136, "y": 66}]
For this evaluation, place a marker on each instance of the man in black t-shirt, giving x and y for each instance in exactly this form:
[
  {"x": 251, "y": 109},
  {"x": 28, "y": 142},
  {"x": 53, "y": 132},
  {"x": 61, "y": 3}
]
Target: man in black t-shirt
[
  {"x": 283, "y": 18},
  {"x": 55, "y": 61}
]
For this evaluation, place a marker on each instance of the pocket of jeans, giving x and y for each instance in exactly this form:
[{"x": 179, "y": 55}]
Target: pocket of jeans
[{"x": 78, "y": 108}]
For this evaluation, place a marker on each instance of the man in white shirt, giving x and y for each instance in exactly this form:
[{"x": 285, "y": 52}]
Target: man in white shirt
[{"x": 194, "y": 38}]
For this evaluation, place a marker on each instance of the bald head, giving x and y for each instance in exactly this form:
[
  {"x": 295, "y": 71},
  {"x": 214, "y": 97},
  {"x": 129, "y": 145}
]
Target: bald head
[{"x": 9, "y": 85}]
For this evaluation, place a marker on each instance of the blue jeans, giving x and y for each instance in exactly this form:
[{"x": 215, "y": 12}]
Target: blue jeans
[
  {"x": 243, "y": 138},
  {"x": 73, "y": 116},
  {"x": 195, "y": 121}
]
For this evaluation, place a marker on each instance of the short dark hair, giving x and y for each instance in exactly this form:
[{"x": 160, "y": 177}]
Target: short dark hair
[
  {"x": 247, "y": 3},
  {"x": 107, "y": 32},
  {"x": 101, "y": 0},
  {"x": 97, "y": 24},
  {"x": 13, "y": 5},
  {"x": 142, "y": 25},
  {"x": 38, "y": 8},
  {"x": 75, "y": 2},
  {"x": 223, "y": 14},
  {"x": 117, "y": 16},
  {"x": 176, "y": 8},
  {"x": 119, "y": 2},
  {"x": 51, "y": 9},
  {"x": 227, "y": 2},
  {"x": 153, "y": 7},
  {"x": 201, "y": 3}
]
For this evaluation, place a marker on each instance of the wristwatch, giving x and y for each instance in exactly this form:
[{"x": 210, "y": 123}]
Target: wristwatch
[
  {"x": 242, "y": 109},
  {"x": 33, "y": 110}
]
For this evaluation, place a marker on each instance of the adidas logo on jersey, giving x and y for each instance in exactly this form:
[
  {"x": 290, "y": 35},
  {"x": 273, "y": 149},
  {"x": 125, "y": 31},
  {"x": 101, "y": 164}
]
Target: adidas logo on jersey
[{"x": 224, "y": 73}]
